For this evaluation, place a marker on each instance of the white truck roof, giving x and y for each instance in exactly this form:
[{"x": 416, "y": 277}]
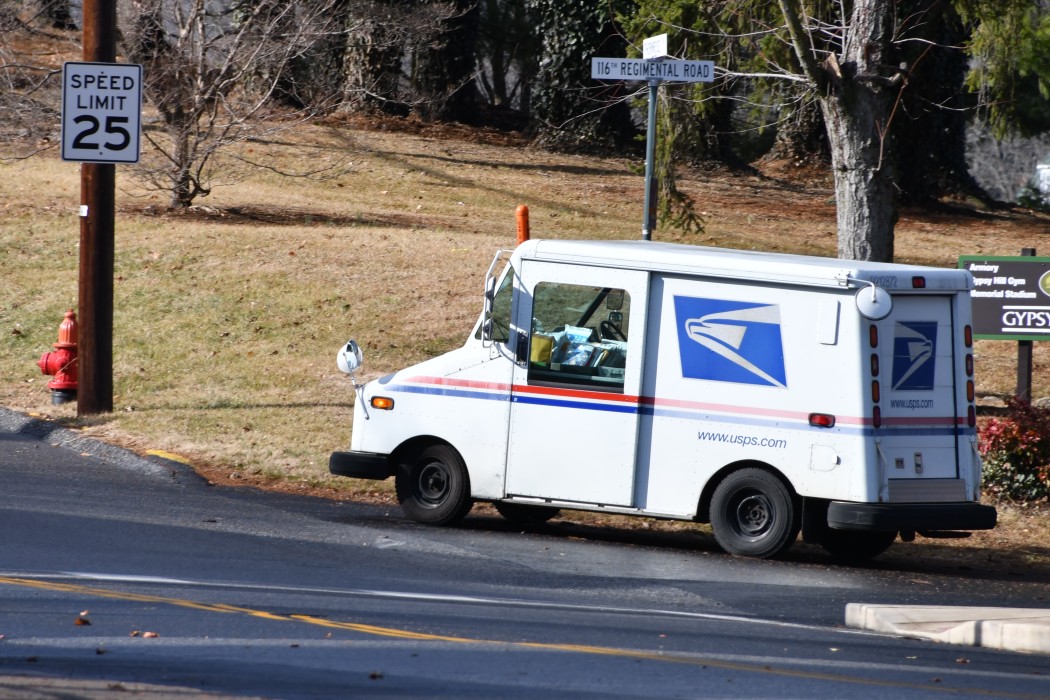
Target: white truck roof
[{"x": 747, "y": 265}]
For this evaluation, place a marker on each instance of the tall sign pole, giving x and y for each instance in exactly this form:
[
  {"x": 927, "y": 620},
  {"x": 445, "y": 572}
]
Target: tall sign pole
[
  {"x": 651, "y": 185},
  {"x": 654, "y": 67},
  {"x": 653, "y": 49},
  {"x": 101, "y": 126}
]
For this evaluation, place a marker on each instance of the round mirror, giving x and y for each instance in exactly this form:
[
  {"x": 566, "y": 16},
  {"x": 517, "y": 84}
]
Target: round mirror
[
  {"x": 874, "y": 302},
  {"x": 349, "y": 358}
]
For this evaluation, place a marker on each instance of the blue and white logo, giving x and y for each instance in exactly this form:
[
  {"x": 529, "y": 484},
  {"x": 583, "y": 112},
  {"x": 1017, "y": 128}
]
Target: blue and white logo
[
  {"x": 914, "y": 355},
  {"x": 730, "y": 341}
]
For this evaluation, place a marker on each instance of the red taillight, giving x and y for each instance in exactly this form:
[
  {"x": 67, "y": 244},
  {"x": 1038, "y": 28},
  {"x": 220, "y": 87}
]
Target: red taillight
[
  {"x": 968, "y": 336},
  {"x": 873, "y": 335},
  {"x": 874, "y": 365},
  {"x": 971, "y": 416},
  {"x": 876, "y": 417},
  {"x": 918, "y": 282},
  {"x": 822, "y": 420}
]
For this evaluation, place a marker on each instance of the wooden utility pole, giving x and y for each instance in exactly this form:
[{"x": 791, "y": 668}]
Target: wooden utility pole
[{"x": 97, "y": 187}]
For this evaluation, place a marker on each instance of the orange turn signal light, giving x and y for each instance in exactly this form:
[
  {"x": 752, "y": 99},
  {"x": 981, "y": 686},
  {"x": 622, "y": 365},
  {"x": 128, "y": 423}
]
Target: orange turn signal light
[{"x": 383, "y": 403}]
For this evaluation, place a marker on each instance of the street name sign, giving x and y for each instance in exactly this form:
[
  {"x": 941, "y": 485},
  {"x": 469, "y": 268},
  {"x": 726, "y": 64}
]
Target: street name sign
[
  {"x": 1010, "y": 296},
  {"x": 101, "y": 112},
  {"x": 671, "y": 70}
]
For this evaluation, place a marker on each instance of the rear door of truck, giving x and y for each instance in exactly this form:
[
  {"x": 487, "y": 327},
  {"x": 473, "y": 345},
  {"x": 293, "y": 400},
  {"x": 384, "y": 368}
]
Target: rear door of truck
[{"x": 921, "y": 403}]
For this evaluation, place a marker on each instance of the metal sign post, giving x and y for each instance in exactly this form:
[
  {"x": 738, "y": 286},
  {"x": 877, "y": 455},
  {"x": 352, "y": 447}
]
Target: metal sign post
[
  {"x": 655, "y": 67},
  {"x": 651, "y": 185}
]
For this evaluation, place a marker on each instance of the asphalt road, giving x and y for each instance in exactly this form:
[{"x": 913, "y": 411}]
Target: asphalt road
[{"x": 119, "y": 570}]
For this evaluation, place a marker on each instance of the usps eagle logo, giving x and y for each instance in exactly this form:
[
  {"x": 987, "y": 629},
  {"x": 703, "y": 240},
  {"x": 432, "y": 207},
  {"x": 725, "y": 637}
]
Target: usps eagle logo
[
  {"x": 914, "y": 355},
  {"x": 730, "y": 341}
]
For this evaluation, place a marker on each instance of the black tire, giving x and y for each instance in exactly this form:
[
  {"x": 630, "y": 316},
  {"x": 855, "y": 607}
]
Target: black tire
[
  {"x": 856, "y": 545},
  {"x": 525, "y": 515},
  {"x": 753, "y": 514},
  {"x": 433, "y": 487}
]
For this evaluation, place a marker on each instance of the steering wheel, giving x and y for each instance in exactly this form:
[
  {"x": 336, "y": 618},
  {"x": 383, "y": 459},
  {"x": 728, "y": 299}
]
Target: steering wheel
[{"x": 610, "y": 330}]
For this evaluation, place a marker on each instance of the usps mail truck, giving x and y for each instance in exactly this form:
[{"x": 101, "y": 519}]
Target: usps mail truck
[{"x": 765, "y": 394}]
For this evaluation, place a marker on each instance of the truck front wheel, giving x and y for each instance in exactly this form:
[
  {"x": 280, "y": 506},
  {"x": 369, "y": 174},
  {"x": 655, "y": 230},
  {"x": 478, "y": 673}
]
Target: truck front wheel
[
  {"x": 433, "y": 487},
  {"x": 754, "y": 514}
]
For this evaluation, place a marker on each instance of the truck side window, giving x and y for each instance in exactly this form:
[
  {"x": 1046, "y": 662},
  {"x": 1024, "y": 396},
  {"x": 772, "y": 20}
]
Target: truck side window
[{"x": 579, "y": 335}]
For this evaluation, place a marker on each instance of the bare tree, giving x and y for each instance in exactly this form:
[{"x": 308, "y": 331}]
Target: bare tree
[
  {"x": 32, "y": 38},
  {"x": 211, "y": 70}
]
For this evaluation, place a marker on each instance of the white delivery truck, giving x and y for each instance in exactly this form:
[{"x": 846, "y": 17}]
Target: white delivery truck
[{"x": 763, "y": 393}]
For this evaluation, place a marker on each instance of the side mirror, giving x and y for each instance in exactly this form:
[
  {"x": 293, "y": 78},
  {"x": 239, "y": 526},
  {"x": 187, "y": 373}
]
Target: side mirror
[{"x": 349, "y": 358}]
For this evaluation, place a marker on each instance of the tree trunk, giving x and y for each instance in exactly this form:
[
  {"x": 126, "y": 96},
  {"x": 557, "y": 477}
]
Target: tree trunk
[
  {"x": 857, "y": 113},
  {"x": 865, "y": 194},
  {"x": 372, "y": 62},
  {"x": 443, "y": 75},
  {"x": 857, "y": 96},
  {"x": 183, "y": 191}
]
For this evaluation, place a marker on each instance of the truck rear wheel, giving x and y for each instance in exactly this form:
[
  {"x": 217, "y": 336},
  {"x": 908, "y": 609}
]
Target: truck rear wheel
[
  {"x": 525, "y": 515},
  {"x": 856, "y": 544},
  {"x": 433, "y": 487},
  {"x": 754, "y": 514}
]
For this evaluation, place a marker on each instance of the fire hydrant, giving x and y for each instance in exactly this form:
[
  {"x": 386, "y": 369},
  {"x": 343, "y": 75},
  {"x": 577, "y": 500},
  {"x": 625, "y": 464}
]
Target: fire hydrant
[{"x": 62, "y": 363}]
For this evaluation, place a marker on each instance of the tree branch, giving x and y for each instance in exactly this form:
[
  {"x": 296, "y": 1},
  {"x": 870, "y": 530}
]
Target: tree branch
[{"x": 791, "y": 10}]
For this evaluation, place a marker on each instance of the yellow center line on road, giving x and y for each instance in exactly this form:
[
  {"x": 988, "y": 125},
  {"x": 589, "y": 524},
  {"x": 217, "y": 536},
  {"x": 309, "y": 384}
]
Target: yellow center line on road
[{"x": 665, "y": 657}]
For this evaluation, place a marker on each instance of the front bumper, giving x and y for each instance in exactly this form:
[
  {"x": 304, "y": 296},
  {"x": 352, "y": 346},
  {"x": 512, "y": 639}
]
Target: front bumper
[
  {"x": 360, "y": 465},
  {"x": 910, "y": 516}
]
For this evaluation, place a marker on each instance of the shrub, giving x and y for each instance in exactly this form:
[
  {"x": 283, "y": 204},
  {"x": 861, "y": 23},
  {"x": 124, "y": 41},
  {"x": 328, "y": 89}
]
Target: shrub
[{"x": 1016, "y": 453}]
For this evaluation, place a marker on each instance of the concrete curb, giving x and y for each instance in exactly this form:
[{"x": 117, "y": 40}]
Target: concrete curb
[
  {"x": 1012, "y": 629},
  {"x": 158, "y": 463}
]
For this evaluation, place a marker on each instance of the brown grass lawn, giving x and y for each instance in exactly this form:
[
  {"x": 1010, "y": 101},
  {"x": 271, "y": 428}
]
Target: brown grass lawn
[{"x": 228, "y": 316}]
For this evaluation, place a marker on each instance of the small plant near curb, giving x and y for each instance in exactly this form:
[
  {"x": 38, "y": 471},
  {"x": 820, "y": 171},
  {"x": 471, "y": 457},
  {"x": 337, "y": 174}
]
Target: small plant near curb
[{"x": 1015, "y": 450}]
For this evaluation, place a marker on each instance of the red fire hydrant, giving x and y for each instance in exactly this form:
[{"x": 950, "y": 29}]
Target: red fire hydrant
[{"x": 62, "y": 363}]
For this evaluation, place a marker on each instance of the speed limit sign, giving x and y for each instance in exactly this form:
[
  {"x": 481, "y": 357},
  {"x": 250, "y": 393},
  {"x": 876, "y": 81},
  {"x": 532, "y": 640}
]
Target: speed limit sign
[{"x": 101, "y": 108}]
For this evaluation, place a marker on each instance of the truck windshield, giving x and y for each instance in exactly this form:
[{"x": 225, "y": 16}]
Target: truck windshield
[{"x": 500, "y": 317}]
